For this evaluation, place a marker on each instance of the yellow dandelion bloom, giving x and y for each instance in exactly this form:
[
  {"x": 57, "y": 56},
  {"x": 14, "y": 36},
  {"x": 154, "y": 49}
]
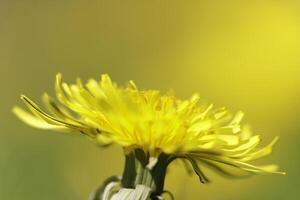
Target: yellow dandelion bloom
[{"x": 155, "y": 123}]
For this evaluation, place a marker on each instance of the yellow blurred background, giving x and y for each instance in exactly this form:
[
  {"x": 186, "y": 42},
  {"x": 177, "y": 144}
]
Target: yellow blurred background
[{"x": 239, "y": 54}]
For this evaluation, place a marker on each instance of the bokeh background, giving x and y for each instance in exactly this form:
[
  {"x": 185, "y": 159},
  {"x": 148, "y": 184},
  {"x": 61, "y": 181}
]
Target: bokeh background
[{"x": 239, "y": 54}]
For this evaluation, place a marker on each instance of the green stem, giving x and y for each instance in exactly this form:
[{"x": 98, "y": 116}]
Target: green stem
[{"x": 138, "y": 172}]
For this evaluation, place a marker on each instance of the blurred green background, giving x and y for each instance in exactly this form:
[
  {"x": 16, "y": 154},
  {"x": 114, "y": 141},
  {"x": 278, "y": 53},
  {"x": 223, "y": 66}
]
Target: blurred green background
[{"x": 239, "y": 54}]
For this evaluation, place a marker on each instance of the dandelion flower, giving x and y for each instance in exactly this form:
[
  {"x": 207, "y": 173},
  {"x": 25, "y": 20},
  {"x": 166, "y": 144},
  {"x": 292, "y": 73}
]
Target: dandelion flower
[{"x": 153, "y": 129}]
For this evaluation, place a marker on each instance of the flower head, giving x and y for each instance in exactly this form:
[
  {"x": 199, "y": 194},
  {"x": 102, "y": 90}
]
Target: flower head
[{"x": 147, "y": 120}]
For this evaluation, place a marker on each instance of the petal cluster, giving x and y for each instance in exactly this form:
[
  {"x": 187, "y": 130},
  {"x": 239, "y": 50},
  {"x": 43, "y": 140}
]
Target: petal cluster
[{"x": 146, "y": 119}]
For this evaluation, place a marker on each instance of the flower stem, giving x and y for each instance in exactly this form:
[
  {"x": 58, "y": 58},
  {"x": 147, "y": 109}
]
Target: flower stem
[{"x": 141, "y": 169}]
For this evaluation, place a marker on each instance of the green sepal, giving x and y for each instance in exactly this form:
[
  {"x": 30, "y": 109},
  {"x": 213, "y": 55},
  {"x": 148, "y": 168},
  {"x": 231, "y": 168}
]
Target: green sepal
[
  {"x": 104, "y": 193},
  {"x": 203, "y": 179}
]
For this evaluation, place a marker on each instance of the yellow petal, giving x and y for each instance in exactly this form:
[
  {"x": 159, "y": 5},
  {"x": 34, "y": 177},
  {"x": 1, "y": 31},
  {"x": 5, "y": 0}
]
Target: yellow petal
[{"x": 35, "y": 121}]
